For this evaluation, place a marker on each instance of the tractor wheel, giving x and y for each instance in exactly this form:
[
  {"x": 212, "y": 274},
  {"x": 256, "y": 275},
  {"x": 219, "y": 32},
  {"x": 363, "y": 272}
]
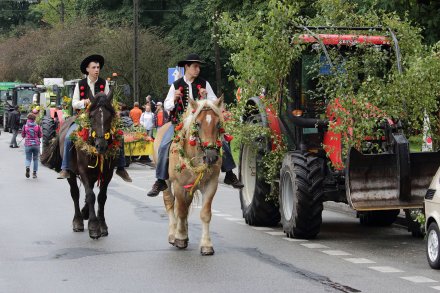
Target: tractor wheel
[
  {"x": 378, "y": 218},
  {"x": 48, "y": 129},
  {"x": 433, "y": 246},
  {"x": 256, "y": 210},
  {"x": 301, "y": 195},
  {"x": 126, "y": 122}
]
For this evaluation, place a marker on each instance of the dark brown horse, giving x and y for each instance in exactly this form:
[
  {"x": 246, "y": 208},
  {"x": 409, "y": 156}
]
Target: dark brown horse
[{"x": 92, "y": 167}]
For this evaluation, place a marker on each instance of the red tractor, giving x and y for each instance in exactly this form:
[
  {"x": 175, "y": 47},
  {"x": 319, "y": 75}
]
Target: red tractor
[{"x": 375, "y": 184}]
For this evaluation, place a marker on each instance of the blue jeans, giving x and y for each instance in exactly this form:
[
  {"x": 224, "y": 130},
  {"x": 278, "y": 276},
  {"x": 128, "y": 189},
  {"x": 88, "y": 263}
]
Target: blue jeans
[
  {"x": 68, "y": 145},
  {"x": 32, "y": 153},
  {"x": 164, "y": 149}
]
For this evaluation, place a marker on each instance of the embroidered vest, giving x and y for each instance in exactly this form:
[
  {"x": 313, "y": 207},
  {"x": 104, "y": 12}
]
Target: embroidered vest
[
  {"x": 84, "y": 89},
  {"x": 182, "y": 104}
]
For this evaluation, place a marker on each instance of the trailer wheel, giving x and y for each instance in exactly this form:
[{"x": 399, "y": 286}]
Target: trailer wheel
[
  {"x": 301, "y": 194},
  {"x": 256, "y": 210},
  {"x": 48, "y": 129},
  {"x": 378, "y": 218},
  {"x": 433, "y": 246}
]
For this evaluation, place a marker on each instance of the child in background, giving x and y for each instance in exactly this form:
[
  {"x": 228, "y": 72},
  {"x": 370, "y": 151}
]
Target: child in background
[{"x": 32, "y": 134}]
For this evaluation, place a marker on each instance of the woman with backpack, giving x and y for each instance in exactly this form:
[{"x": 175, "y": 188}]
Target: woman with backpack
[{"x": 32, "y": 134}]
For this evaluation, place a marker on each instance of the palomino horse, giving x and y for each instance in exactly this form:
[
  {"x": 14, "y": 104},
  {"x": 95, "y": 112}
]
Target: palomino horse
[
  {"x": 92, "y": 168},
  {"x": 194, "y": 164}
]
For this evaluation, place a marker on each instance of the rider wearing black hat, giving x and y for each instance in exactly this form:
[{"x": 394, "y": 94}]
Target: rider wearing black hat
[
  {"x": 84, "y": 90},
  {"x": 195, "y": 87}
]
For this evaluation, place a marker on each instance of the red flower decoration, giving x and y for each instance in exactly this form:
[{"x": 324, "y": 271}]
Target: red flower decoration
[
  {"x": 120, "y": 132},
  {"x": 228, "y": 137},
  {"x": 199, "y": 86},
  {"x": 205, "y": 144},
  {"x": 182, "y": 167},
  {"x": 101, "y": 91},
  {"x": 179, "y": 108},
  {"x": 179, "y": 126},
  {"x": 84, "y": 134},
  {"x": 192, "y": 141},
  {"x": 81, "y": 87},
  {"x": 82, "y": 94},
  {"x": 193, "y": 111},
  {"x": 219, "y": 143},
  {"x": 101, "y": 86},
  {"x": 221, "y": 130},
  {"x": 180, "y": 88}
]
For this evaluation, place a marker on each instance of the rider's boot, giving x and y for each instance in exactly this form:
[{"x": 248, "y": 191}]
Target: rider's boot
[
  {"x": 231, "y": 179},
  {"x": 64, "y": 174},
  {"x": 121, "y": 172},
  {"x": 158, "y": 186}
]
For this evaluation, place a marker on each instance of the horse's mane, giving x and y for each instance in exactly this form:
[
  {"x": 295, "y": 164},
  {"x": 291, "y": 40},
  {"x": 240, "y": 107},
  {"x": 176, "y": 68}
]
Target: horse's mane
[
  {"x": 102, "y": 100},
  {"x": 190, "y": 117}
]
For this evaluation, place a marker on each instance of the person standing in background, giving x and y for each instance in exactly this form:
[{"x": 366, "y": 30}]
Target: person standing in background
[
  {"x": 161, "y": 116},
  {"x": 149, "y": 100},
  {"x": 135, "y": 114},
  {"x": 31, "y": 133},
  {"x": 14, "y": 125},
  {"x": 147, "y": 120}
]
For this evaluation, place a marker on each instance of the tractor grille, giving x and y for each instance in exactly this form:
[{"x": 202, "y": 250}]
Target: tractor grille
[{"x": 430, "y": 194}]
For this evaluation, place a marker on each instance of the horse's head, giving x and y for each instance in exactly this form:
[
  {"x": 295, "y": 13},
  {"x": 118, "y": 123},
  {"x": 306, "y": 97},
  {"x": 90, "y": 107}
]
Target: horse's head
[
  {"x": 101, "y": 114},
  {"x": 207, "y": 121}
]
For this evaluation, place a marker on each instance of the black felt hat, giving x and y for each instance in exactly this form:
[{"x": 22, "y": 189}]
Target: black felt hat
[
  {"x": 190, "y": 59},
  {"x": 92, "y": 58}
]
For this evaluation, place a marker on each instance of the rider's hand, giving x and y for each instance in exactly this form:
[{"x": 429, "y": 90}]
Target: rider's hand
[
  {"x": 177, "y": 95},
  {"x": 203, "y": 92}
]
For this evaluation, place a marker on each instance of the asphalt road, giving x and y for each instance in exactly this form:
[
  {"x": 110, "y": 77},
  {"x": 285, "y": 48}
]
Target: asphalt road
[{"x": 39, "y": 252}]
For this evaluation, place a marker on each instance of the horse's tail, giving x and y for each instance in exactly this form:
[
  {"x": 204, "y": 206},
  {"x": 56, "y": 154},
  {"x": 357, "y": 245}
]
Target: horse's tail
[{"x": 51, "y": 157}]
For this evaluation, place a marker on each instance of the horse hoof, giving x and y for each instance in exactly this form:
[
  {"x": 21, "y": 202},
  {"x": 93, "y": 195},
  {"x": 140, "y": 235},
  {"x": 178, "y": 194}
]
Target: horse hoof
[
  {"x": 206, "y": 250},
  {"x": 94, "y": 234},
  {"x": 171, "y": 239},
  {"x": 104, "y": 233},
  {"x": 77, "y": 225},
  {"x": 181, "y": 243}
]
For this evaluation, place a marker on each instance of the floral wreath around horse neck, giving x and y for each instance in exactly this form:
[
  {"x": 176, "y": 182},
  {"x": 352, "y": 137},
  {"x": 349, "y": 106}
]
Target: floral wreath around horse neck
[
  {"x": 83, "y": 136},
  {"x": 194, "y": 140}
]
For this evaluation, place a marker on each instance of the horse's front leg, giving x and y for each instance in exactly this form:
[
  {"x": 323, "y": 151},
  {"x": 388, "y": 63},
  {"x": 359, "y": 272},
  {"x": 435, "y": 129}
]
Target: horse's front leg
[
  {"x": 181, "y": 212},
  {"x": 78, "y": 222},
  {"x": 206, "y": 247},
  {"x": 94, "y": 229},
  {"x": 168, "y": 199},
  {"x": 102, "y": 198}
]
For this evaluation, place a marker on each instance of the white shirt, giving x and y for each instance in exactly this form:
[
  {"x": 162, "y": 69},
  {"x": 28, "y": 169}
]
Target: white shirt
[
  {"x": 76, "y": 102},
  {"x": 169, "y": 100},
  {"x": 147, "y": 119}
]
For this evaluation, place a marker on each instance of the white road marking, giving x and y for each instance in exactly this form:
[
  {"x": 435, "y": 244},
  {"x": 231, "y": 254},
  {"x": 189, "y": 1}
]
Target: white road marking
[
  {"x": 215, "y": 211},
  {"x": 276, "y": 233},
  {"x": 359, "y": 260},
  {"x": 419, "y": 279},
  {"x": 314, "y": 245},
  {"x": 436, "y": 288},
  {"x": 234, "y": 219},
  {"x": 223, "y": 215},
  {"x": 241, "y": 223},
  {"x": 386, "y": 269},
  {"x": 262, "y": 228},
  {"x": 336, "y": 252},
  {"x": 294, "y": 239}
]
